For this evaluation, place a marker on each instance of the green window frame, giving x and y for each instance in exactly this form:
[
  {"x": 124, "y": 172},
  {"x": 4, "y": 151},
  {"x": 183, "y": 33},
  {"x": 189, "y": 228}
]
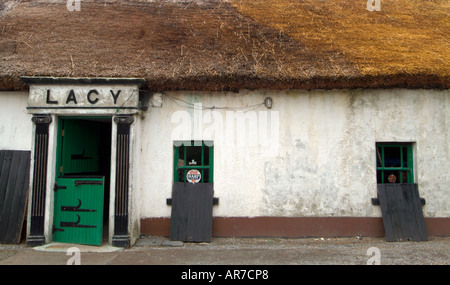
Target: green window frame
[
  {"x": 190, "y": 155},
  {"x": 394, "y": 163}
]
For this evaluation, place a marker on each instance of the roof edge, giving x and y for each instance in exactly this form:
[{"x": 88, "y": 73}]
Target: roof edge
[{"x": 81, "y": 80}]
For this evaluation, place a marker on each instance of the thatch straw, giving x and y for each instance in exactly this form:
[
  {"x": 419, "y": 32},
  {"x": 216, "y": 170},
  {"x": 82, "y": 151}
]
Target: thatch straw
[{"x": 228, "y": 45}]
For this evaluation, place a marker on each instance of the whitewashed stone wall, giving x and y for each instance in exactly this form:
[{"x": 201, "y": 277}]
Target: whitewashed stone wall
[
  {"x": 321, "y": 161},
  {"x": 325, "y": 163}
]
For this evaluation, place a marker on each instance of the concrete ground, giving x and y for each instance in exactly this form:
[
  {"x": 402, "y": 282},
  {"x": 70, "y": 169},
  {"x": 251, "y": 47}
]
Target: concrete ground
[{"x": 237, "y": 251}]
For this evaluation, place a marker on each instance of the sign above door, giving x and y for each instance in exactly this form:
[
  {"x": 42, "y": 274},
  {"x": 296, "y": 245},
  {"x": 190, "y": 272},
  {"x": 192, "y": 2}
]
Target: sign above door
[{"x": 114, "y": 94}]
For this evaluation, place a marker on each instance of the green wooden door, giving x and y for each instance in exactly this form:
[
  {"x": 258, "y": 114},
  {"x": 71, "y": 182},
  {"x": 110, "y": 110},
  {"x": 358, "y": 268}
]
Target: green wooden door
[
  {"x": 78, "y": 210},
  {"x": 79, "y": 186}
]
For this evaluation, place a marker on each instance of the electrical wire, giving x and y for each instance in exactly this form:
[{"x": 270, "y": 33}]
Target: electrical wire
[{"x": 194, "y": 106}]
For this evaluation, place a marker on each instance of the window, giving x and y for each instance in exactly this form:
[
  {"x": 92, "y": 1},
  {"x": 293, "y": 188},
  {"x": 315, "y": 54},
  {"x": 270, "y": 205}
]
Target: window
[
  {"x": 193, "y": 157},
  {"x": 394, "y": 163}
]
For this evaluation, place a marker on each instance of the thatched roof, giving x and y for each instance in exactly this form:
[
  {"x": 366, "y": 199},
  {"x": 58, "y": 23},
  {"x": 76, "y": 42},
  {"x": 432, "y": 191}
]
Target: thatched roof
[{"x": 229, "y": 45}]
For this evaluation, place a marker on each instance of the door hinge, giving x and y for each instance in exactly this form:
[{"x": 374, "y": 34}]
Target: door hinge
[
  {"x": 88, "y": 182},
  {"x": 56, "y": 187},
  {"x": 55, "y": 229}
]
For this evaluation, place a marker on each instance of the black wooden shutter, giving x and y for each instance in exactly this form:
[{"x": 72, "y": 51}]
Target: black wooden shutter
[
  {"x": 402, "y": 213},
  {"x": 191, "y": 217},
  {"x": 14, "y": 180}
]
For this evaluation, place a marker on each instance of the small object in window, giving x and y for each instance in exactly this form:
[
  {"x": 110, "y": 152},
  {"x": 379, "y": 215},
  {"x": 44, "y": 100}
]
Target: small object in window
[{"x": 392, "y": 178}]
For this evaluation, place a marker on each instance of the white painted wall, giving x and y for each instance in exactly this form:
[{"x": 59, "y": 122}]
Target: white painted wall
[
  {"x": 15, "y": 123},
  {"x": 325, "y": 165}
]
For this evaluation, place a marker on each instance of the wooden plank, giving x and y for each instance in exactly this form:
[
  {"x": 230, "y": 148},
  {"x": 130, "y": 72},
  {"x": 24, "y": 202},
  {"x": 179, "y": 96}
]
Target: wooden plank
[
  {"x": 178, "y": 215},
  {"x": 4, "y": 176},
  {"x": 191, "y": 211},
  {"x": 173, "y": 233},
  {"x": 2, "y": 155},
  {"x": 204, "y": 212},
  {"x": 208, "y": 213},
  {"x": 202, "y": 220},
  {"x": 183, "y": 209},
  {"x": 14, "y": 176},
  {"x": 197, "y": 230},
  {"x": 394, "y": 209},
  {"x": 387, "y": 211},
  {"x": 409, "y": 214},
  {"x": 403, "y": 215},
  {"x": 418, "y": 218}
]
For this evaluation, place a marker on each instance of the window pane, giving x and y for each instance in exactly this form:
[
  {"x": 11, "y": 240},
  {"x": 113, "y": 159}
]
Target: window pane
[
  {"x": 181, "y": 156},
  {"x": 181, "y": 175},
  {"x": 404, "y": 176},
  {"x": 205, "y": 176},
  {"x": 193, "y": 155},
  {"x": 379, "y": 177},
  {"x": 392, "y": 157},
  {"x": 405, "y": 157},
  {"x": 205, "y": 155}
]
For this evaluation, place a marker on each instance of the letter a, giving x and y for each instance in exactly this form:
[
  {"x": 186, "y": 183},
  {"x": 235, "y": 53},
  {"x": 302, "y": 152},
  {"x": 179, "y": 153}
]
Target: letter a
[
  {"x": 76, "y": 258},
  {"x": 71, "y": 97},
  {"x": 371, "y": 7},
  {"x": 73, "y": 5}
]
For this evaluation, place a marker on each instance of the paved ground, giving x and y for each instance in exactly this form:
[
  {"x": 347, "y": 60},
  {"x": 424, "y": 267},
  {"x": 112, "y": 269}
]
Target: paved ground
[{"x": 242, "y": 251}]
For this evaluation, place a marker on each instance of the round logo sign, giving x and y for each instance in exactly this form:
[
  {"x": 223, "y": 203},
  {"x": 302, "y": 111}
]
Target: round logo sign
[
  {"x": 193, "y": 176},
  {"x": 392, "y": 178}
]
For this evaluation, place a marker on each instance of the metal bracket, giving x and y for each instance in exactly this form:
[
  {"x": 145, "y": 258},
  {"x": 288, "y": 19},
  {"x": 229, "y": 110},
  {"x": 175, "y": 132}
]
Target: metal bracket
[
  {"x": 56, "y": 187},
  {"x": 88, "y": 182},
  {"x": 376, "y": 201},
  {"x": 55, "y": 229},
  {"x": 75, "y": 224},
  {"x": 76, "y": 208},
  {"x": 169, "y": 201}
]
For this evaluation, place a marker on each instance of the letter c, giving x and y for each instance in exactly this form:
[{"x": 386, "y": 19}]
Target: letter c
[{"x": 89, "y": 96}]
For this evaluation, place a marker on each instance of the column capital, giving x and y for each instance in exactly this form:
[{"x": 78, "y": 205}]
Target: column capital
[
  {"x": 123, "y": 119},
  {"x": 42, "y": 119}
]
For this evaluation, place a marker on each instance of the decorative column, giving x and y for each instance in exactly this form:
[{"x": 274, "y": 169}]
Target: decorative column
[
  {"x": 36, "y": 235},
  {"x": 121, "y": 235}
]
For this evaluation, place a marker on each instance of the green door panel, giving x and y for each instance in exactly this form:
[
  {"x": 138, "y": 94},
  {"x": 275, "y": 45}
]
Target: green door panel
[
  {"x": 80, "y": 151},
  {"x": 78, "y": 210}
]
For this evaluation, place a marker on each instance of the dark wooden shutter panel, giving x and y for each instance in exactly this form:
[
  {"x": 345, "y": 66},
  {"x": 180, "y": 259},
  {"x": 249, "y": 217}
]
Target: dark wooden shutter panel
[
  {"x": 191, "y": 218},
  {"x": 402, "y": 213},
  {"x": 14, "y": 180}
]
